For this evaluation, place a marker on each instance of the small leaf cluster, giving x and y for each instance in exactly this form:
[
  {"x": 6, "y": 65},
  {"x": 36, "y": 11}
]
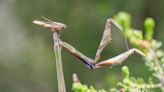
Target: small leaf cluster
[
  {"x": 131, "y": 84},
  {"x": 146, "y": 43},
  {"x": 78, "y": 87}
]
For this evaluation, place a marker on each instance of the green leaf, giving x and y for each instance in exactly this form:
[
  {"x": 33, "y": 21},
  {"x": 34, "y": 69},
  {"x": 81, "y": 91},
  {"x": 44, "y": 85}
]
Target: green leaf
[{"x": 149, "y": 28}]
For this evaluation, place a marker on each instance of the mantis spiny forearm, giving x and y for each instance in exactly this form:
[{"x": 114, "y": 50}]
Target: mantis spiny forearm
[{"x": 91, "y": 62}]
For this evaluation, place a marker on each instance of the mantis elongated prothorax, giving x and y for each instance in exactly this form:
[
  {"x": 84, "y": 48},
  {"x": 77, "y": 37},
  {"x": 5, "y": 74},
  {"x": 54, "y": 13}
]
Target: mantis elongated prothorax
[{"x": 57, "y": 27}]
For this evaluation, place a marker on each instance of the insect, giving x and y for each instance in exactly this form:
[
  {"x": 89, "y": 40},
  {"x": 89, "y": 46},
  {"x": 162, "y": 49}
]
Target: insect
[
  {"x": 57, "y": 28},
  {"x": 106, "y": 39}
]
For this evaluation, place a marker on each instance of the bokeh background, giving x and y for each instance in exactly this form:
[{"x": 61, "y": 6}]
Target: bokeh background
[{"x": 27, "y": 62}]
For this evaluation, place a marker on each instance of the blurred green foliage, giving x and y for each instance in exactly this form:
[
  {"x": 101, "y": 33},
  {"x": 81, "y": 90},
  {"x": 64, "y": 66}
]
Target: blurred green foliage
[{"x": 26, "y": 54}]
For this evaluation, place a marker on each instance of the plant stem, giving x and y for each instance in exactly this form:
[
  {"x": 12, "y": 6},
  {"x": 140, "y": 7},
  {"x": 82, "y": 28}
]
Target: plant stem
[{"x": 59, "y": 68}]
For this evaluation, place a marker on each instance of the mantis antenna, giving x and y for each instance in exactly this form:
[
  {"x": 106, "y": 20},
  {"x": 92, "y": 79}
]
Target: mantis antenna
[{"x": 47, "y": 19}]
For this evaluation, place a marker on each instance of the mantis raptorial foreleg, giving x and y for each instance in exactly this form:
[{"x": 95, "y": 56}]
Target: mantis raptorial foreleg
[
  {"x": 86, "y": 60},
  {"x": 118, "y": 59},
  {"x": 91, "y": 62},
  {"x": 106, "y": 38}
]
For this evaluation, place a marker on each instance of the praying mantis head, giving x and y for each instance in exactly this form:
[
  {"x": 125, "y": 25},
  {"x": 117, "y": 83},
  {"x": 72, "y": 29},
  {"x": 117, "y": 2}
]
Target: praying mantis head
[{"x": 48, "y": 24}]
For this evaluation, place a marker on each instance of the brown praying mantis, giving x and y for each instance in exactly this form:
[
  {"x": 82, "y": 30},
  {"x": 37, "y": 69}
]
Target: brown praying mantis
[
  {"x": 57, "y": 27},
  {"x": 106, "y": 38}
]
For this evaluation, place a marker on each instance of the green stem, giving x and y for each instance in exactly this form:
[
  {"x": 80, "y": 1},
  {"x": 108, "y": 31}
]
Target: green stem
[{"x": 59, "y": 68}]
